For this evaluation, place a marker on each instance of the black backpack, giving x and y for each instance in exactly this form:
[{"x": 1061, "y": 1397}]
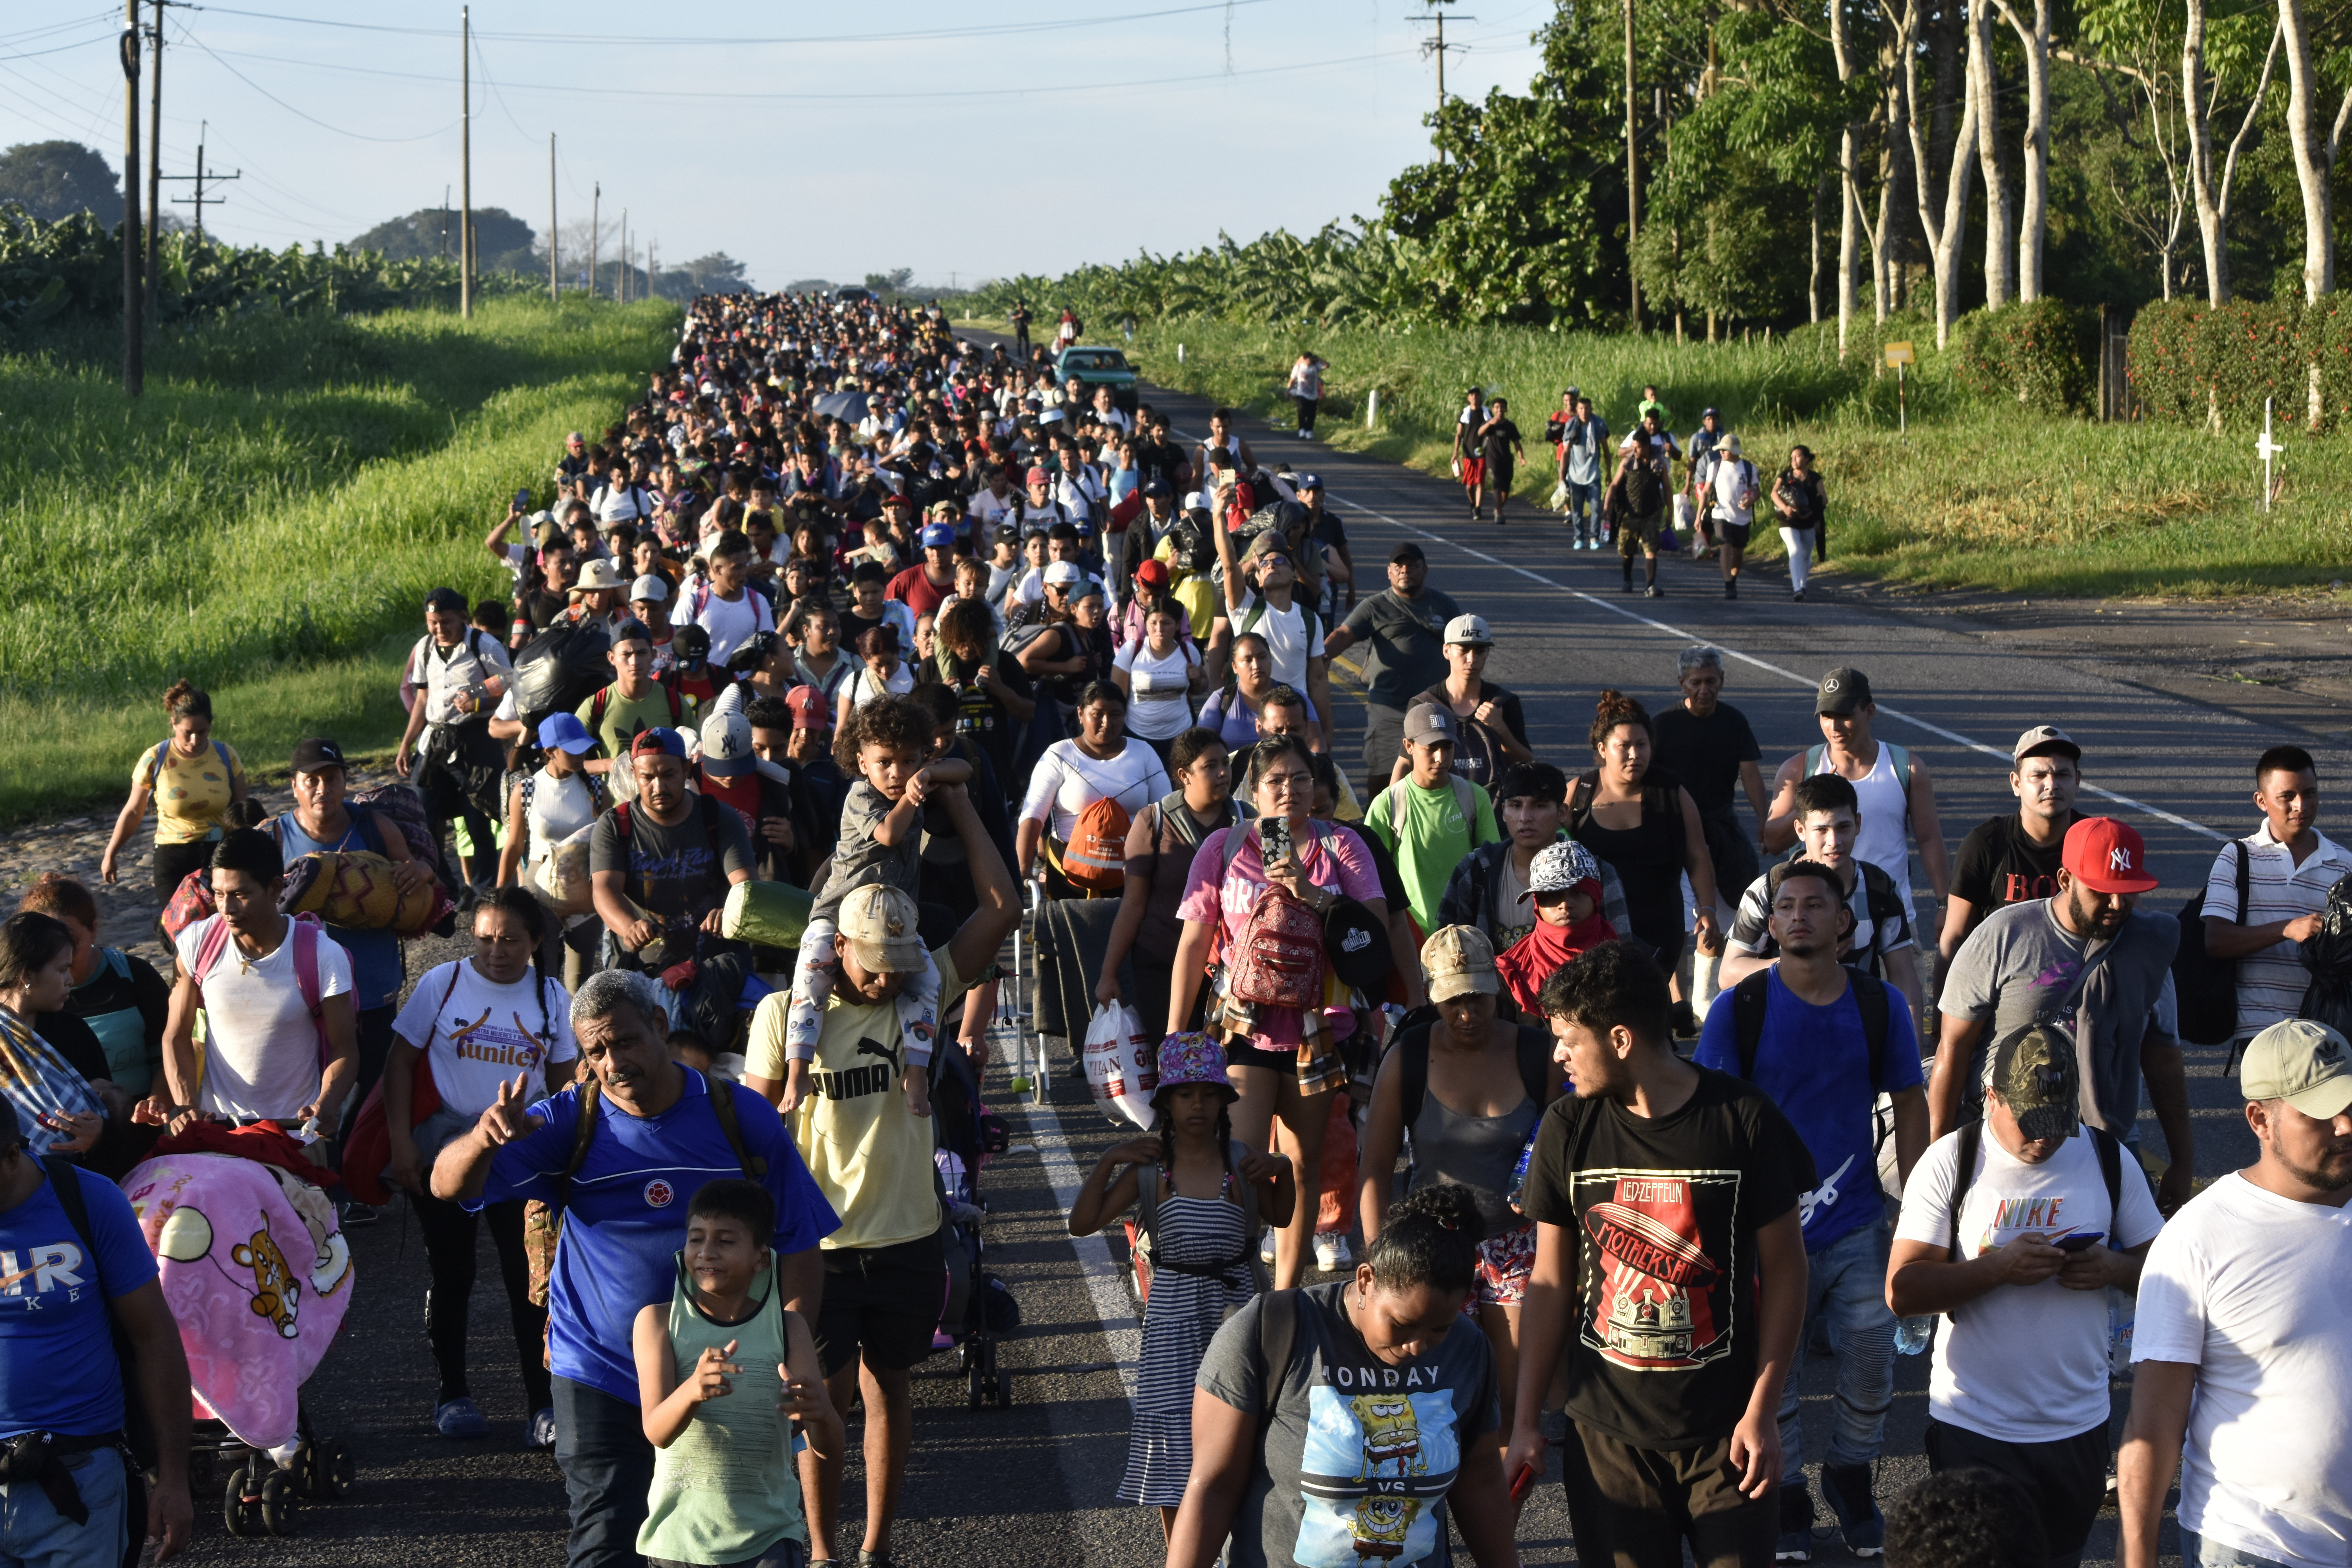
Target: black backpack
[
  {"x": 1751, "y": 996},
  {"x": 561, "y": 667},
  {"x": 2103, "y": 1143},
  {"x": 1412, "y": 1062},
  {"x": 1646, "y": 493},
  {"x": 2206, "y": 987}
]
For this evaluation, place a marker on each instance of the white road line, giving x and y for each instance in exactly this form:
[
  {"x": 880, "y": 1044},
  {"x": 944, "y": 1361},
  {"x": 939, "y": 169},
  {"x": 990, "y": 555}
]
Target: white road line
[
  {"x": 1767, "y": 666},
  {"x": 1105, "y": 1283}
]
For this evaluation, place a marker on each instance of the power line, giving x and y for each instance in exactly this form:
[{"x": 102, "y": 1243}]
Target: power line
[
  {"x": 354, "y": 135},
  {"x": 921, "y": 35}
]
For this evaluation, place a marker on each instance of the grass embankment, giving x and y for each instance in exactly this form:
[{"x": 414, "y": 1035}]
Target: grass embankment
[
  {"x": 268, "y": 518},
  {"x": 1982, "y": 493}
]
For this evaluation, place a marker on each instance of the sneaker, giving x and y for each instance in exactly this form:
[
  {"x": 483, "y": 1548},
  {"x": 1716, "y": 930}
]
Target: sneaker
[
  {"x": 1847, "y": 1489},
  {"x": 355, "y": 1214},
  {"x": 1798, "y": 597},
  {"x": 1265, "y": 1250},
  {"x": 1653, "y": 592},
  {"x": 1796, "y": 1542},
  {"x": 461, "y": 1417},
  {"x": 1332, "y": 1251},
  {"x": 1731, "y": 587},
  {"x": 543, "y": 1428}
]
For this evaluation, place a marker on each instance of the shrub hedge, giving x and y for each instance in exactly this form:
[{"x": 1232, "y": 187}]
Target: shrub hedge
[
  {"x": 2201, "y": 365},
  {"x": 2038, "y": 353}
]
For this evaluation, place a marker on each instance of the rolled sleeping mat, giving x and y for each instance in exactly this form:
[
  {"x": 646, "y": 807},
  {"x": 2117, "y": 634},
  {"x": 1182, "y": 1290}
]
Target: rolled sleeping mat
[{"x": 771, "y": 914}]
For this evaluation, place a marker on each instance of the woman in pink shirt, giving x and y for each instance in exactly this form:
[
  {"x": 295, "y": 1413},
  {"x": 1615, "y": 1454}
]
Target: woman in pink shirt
[{"x": 1282, "y": 1061}]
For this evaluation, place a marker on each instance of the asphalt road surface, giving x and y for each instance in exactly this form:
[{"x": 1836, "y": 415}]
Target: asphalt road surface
[{"x": 1033, "y": 1485}]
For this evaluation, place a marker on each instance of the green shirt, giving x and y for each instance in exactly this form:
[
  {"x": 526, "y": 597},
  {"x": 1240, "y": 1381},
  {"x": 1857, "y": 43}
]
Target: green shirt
[
  {"x": 1437, "y": 837},
  {"x": 625, "y": 717}
]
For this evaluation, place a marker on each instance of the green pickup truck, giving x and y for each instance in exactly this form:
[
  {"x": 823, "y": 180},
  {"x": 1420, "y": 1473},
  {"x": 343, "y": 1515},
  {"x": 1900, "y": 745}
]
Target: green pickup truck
[{"x": 1099, "y": 367}]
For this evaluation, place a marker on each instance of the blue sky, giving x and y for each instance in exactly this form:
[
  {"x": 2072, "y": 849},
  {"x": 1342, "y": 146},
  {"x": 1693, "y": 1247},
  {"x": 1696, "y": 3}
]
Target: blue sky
[{"x": 836, "y": 140}]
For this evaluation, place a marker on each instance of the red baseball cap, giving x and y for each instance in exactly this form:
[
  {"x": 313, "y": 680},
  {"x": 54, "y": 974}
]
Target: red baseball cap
[
  {"x": 2107, "y": 856},
  {"x": 807, "y": 704},
  {"x": 1153, "y": 573}
]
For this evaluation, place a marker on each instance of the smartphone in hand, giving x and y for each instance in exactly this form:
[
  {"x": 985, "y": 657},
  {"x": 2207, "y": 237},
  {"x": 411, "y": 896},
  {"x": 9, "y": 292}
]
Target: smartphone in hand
[
  {"x": 2080, "y": 1241},
  {"x": 522, "y": 498},
  {"x": 1274, "y": 834}
]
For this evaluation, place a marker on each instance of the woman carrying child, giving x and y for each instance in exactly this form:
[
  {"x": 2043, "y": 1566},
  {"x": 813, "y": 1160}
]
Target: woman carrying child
[{"x": 1201, "y": 1216}]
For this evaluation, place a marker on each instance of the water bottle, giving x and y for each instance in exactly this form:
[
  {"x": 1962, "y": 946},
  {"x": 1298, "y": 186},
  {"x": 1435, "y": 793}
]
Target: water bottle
[{"x": 1914, "y": 1335}]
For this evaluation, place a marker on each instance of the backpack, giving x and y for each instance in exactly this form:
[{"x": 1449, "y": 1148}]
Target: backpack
[
  {"x": 1897, "y": 755},
  {"x": 1147, "y": 1228},
  {"x": 404, "y": 808},
  {"x": 1258, "y": 605},
  {"x": 220, "y": 749},
  {"x": 1751, "y": 996},
  {"x": 1655, "y": 798},
  {"x": 1194, "y": 551},
  {"x": 1276, "y": 960},
  {"x": 305, "y": 938},
  {"x": 561, "y": 667},
  {"x": 2103, "y": 1143},
  {"x": 600, "y": 703},
  {"x": 1464, "y": 799},
  {"x": 2205, "y": 987},
  {"x": 1094, "y": 857}
]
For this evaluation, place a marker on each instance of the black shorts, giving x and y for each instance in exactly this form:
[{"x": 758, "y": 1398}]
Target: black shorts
[
  {"x": 883, "y": 1300},
  {"x": 1240, "y": 1054},
  {"x": 1733, "y": 533},
  {"x": 2067, "y": 1479}
]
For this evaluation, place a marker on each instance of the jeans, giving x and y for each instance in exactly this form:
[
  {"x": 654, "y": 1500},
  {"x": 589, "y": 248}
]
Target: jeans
[
  {"x": 1383, "y": 739},
  {"x": 1846, "y": 1281},
  {"x": 2198, "y": 1553},
  {"x": 32, "y": 1535},
  {"x": 450, "y": 1231},
  {"x": 1584, "y": 508},
  {"x": 608, "y": 1471}
]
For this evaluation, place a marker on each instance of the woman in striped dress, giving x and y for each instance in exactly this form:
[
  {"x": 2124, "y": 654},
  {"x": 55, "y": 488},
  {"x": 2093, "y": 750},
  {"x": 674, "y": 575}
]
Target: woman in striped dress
[{"x": 1208, "y": 1200}]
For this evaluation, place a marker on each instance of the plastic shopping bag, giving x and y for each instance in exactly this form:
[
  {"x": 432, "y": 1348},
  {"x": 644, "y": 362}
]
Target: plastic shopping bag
[{"x": 1122, "y": 1064}]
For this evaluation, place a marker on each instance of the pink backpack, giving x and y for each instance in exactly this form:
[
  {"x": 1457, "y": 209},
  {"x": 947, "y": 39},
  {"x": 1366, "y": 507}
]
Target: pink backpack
[
  {"x": 1276, "y": 958},
  {"x": 305, "y": 938}
]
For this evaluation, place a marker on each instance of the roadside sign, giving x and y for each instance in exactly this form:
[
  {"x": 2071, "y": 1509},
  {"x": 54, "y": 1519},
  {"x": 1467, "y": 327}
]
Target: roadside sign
[{"x": 1899, "y": 355}]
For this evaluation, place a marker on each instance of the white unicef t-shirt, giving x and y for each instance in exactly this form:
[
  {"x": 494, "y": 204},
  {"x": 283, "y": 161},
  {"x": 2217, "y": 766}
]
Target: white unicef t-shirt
[
  {"x": 2023, "y": 1364},
  {"x": 477, "y": 1034},
  {"x": 2250, "y": 1289},
  {"x": 261, "y": 1048}
]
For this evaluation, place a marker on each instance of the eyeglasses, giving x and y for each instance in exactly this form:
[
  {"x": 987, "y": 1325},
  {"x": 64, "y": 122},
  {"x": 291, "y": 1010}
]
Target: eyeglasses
[{"x": 1284, "y": 784}]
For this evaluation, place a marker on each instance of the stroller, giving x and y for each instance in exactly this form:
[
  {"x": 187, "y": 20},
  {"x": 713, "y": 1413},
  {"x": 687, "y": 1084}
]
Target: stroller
[
  {"x": 253, "y": 1264},
  {"x": 977, "y": 1309}
]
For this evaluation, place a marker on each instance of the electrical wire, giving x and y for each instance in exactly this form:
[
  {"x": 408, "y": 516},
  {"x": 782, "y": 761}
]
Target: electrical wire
[
  {"x": 354, "y": 135},
  {"x": 921, "y": 35}
]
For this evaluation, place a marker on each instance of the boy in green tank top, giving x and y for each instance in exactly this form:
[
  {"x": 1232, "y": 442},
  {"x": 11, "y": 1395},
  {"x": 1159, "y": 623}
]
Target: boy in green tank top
[{"x": 724, "y": 1376}]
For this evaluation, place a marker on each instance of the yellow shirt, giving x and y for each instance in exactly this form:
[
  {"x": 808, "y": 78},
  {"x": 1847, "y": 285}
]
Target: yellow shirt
[
  {"x": 192, "y": 798},
  {"x": 868, "y": 1153},
  {"x": 1197, "y": 595}
]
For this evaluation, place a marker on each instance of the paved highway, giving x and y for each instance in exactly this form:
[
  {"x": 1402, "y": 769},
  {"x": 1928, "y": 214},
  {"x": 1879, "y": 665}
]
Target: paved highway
[{"x": 1033, "y": 1485}]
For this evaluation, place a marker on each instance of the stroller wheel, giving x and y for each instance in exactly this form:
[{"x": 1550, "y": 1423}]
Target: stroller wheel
[
  {"x": 277, "y": 1505},
  {"x": 241, "y": 1504},
  {"x": 1003, "y": 1389},
  {"x": 322, "y": 1471},
  {"x": 973, "y": 1389}
]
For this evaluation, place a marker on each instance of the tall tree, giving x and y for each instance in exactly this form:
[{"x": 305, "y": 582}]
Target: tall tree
[
  {"x": 2311, "y": 162},
  {"x": 1984, "y": 88},
  {"x": 52, "y": 180},
  {"x": 1947, "y": 231},
  {"x": 2033, "y": 219}
]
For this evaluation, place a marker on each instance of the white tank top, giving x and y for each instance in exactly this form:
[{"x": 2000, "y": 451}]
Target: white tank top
[
  {"x": 1883, "y": 836},
  {"x": 559, "y": 807}
]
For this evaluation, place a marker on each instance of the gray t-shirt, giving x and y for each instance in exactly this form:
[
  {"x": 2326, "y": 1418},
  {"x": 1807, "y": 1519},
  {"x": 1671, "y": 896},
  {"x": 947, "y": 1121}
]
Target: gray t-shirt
[
  {"x": 1403, "y": 643},
  {"x": 860, "y": 857},
  {"x": 2021, "y": 962},
  {"x": 1360, "y": 1454}
]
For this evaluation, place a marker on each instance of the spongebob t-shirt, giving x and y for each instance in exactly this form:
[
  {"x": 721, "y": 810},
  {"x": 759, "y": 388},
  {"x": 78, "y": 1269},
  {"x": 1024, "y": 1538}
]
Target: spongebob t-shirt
[
  {"x": 1664, "y": 1213},
  {"x": 1361, "y": 1453}
]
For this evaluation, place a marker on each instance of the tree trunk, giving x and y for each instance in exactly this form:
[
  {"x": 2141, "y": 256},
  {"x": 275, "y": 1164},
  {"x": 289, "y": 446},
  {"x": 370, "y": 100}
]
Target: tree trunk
[
  {"x": 1946, "y": 231},
  {"x": 1849, "y": 183},
  {"x": 1813, "y": 273},
  {"x": 1883, "y": 249},
  {"x": 2033, "y": 219},
  {"x": 2310, "y": 163},
  {"x": 2000, "y": 260},
  {"x": 1632, "y": 176},
  {"x": 2212, "y": 193}
]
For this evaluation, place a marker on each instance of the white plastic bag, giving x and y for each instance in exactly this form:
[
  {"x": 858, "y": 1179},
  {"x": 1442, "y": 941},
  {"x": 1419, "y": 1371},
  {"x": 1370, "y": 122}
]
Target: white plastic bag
[
  {"x": 1122, "y": 1064},
  {"x": 1686, "y": 513}
]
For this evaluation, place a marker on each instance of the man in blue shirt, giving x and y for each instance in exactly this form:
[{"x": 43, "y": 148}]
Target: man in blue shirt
[
  {"x": 657, "y": 1141},
  {"x": 1819, "y": 1057},
  {"x": 59, "y": 1374}
]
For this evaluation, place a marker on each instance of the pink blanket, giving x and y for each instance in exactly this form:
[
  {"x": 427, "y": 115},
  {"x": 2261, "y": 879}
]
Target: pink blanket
[{"x": 259, "y": 1284}]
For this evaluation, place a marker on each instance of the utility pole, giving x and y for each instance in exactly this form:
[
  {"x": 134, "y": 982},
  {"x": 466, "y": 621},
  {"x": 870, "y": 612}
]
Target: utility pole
[
  {"x": 445, "y": 221},
  {"x": 596, "y": 235},
  {"x": 627, "y": 256},
  {"x": 135, "y": 373},
  {"x": 154, "y": 169},
  {"x": 200, "y": 177},
  {"x": 1632, "y": 175},
  {"x": 466, "y": 164},
  {"x": 554, "y": 283},
  {"x": 1437, "y": 47}
]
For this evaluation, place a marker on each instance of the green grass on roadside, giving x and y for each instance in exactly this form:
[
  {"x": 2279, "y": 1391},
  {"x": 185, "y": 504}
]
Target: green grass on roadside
[
  {"x": 270, "y": 514},
  {"x": 1980, "y": 494}
]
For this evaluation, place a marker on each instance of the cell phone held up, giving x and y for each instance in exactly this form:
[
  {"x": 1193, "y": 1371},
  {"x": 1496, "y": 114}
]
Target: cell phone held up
[
  {"x": 522, "y": 498},
  {"x": 1274, "y": 838}
]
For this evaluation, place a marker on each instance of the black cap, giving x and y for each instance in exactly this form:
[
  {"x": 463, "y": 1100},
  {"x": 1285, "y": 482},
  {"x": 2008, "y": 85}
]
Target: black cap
[
  {"x": 447, "y": 600},
  {"x": 1408, "y": 550},
  {"x": 317, "y": 754},
  {"x": 1843, "y": 690},
  {"x": 1155, "y": 488},
  {"x": 690, "y": 642}
]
